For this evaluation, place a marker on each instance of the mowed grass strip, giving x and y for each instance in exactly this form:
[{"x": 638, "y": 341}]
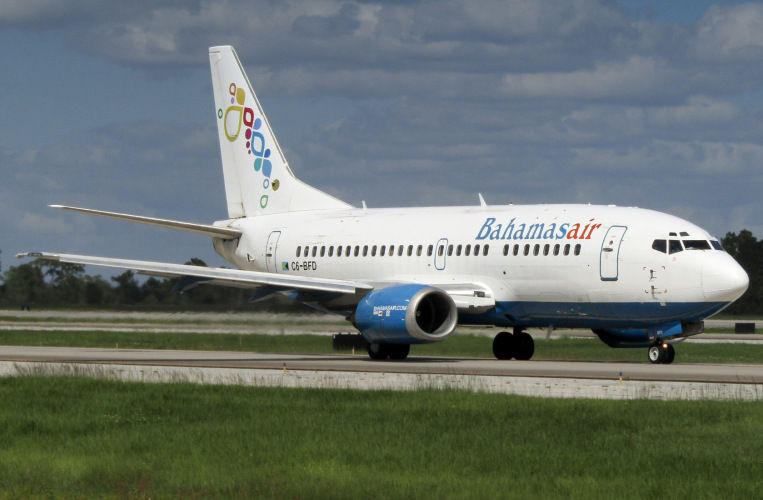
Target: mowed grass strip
[
  {"x": 458, "y": 346},
  {"x": 69, "y": 437}
]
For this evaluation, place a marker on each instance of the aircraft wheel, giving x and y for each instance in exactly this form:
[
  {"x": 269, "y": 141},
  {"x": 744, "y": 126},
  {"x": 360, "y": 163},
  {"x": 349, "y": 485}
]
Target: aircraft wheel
[
  {"x": 656, "y": 354},
  {"x": 504, "y": 345},
  {"x": 525, "y": 346},
  {"x": 398, "y": 351},
  {"x": 670, "y": 355},
  {"x": 378, "y": 352}
]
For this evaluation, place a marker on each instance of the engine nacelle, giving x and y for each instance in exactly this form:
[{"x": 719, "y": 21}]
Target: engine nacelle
[
  {"x": 645, "y": 337},
  {"x": 406, "y": 314}
]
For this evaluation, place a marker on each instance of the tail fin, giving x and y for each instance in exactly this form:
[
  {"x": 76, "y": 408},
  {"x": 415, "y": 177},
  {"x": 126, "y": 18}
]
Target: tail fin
[{"x": 257, "y": 178}]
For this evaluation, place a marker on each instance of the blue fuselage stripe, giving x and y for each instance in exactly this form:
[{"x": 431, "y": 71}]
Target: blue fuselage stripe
[{"x": 592, "y": 315}]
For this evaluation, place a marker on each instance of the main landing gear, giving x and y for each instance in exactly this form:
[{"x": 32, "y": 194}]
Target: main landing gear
[
  {"x": 381, "y": 352},
  {"x": 518, "y": 345},
  {"x": 661, "y": 354}
]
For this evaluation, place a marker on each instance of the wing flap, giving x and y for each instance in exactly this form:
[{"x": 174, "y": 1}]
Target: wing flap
[{"x": 212, "y": 275}]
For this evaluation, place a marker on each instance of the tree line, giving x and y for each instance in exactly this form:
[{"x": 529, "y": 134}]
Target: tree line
[{"x": 50, "y": 283}]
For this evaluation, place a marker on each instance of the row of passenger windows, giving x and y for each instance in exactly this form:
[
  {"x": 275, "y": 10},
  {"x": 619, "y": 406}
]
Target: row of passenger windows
[
  {"x": 547, "y": 249},
  {"x": 410, "y": 250},
  {"x": 390, "y": 250},
  {"x": 675, "y": 246}
]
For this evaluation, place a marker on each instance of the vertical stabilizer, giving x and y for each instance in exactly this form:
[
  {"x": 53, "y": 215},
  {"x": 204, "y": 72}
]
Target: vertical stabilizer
[{"x": 257, "y": 178}]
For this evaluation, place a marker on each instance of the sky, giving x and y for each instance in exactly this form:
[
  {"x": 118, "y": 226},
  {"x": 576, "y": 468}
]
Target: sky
[{"x": 108, "y": 105}]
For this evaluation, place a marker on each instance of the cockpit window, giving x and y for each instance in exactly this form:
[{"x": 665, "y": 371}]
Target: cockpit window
[
  {"x": 660, "y": 245},
  {"x": 696, "y": 245},
  {"x": 716, "y": 244},
  {"x": 675, "y": 246}
]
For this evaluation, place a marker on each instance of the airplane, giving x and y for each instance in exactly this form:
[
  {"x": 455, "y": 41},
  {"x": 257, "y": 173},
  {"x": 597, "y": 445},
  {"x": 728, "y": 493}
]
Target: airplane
[{"x": 636, "y": 277}]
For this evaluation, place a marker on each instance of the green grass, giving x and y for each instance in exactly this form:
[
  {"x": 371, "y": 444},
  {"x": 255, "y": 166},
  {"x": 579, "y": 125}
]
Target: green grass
[
  {"x": 458, "y": 346},
  {"x": 80, "y": 438}
]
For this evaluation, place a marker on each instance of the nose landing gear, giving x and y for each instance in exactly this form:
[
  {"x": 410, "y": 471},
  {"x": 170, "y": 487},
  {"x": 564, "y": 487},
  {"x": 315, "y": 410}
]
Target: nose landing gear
[{"x": 661, "y": 354}]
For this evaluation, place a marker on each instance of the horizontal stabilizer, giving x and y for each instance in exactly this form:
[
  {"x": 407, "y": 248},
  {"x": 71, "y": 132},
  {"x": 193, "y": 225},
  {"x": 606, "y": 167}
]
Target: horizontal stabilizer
[
  {"x": 212, "y": 275},
  {"x": 202, "y": 229}
]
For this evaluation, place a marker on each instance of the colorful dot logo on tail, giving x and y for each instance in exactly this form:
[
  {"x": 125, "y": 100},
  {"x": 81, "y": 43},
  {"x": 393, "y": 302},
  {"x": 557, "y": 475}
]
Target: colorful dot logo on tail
[{"x": 234, "y": 116}]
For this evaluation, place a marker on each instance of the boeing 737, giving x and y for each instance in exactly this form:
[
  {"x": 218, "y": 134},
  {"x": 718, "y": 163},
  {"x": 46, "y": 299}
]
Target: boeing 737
[{"x": 402, "y": 276}]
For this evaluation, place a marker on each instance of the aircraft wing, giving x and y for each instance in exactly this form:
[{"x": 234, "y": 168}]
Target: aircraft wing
[
  {"x": 469, "y": 298},
  {"x": 212, "y": 275}
]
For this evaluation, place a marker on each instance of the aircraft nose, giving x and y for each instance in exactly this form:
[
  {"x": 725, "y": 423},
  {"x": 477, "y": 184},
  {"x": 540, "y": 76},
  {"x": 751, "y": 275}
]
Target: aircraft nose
[{"x": 723, "y": 279}]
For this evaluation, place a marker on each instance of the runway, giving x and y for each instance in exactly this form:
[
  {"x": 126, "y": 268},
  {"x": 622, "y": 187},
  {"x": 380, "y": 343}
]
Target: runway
[{"x": 620, "y": 380}]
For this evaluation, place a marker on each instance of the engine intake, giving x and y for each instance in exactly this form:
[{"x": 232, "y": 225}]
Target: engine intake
[{"x": 406, "y": 314}]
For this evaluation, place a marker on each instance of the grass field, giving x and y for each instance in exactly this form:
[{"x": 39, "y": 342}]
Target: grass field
[
  {"x": 459, "y": 345},
  {"x": 71, "y": 437}
]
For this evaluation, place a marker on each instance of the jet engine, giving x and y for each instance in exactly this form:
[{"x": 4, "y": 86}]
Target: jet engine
[{"x": 406, "y": 314}]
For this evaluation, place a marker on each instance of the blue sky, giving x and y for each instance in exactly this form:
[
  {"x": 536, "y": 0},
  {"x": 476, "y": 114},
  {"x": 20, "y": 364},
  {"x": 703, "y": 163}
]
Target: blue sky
[{"x": 641, "y": 103}]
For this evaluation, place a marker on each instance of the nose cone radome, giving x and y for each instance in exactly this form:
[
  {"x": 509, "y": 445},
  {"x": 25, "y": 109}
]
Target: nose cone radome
[{"x": 723, "y": 280}]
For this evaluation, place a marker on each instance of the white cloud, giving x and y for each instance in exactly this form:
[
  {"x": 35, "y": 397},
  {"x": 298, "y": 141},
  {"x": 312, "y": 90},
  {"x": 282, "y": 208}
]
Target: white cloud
[{"x": 728, "y": 33}]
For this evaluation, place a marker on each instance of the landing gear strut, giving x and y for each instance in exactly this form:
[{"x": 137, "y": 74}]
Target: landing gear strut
[
  {"x": 662, "y": 354},
  {"x": 391, "y": 351},
  {"x": 518, "y": 345}
]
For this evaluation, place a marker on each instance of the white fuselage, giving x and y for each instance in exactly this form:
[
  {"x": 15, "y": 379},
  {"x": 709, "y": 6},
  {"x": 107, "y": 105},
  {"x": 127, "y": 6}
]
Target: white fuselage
[{"x": 574, "y": 265}]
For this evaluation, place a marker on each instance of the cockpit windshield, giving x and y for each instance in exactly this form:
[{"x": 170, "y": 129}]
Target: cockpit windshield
[{"x": 672, "y": 245}]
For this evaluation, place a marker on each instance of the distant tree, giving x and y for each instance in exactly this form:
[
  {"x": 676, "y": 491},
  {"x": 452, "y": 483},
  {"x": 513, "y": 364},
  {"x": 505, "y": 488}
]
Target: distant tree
[
  {"x": 748, "y": 251},
  {"x": 24, "y": 284},
  {"x": 127, "y": 288}
]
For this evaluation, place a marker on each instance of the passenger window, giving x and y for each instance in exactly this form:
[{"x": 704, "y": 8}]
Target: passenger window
[
  {"x": 675, "y": 246},
  {"x": 527, "y": 250},
  {"x": 382, "y": 250},
  {"x": 331, "y": 251},
  {"x": 430, "y": 249},
  {"x": 323, "y": 251},
  {"x": 299, "y": 250},
  {"x": 506, "y": 250},
  {"x": 696, "y": 245},
  {"x": 577, "y": 249},
  {"x": 660, "y": 246},
  {"x": 485, "y": 250},
  {"x": 410, "y": 250},
  {"x": 400, "y": 251},
  {"x": 546, "y": 247},
  {"x": 536, "y": 249},
  {"x": 458, "y": 251},
  {"x": 418, "y": 250},
  {"x": 556, "y": 249},
  {"x": 566, "y": 249},
  {"x": 315, "y": 251},
  {"x": 373, "y": 251},
  {"x": 476, "y": 250},
  {"x": 440, "y": 250},
  {"x": 450, "y": 250},
  {"x": 357, "y": 250},
  {"x": 365, "y": 250},
  {"x": 516, "y": 249}
]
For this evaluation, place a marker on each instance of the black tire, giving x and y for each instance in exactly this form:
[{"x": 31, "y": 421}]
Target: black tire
[
  {"x": 504, "y": 345},
  {"x": 670, "y": 355},
  {"x": 524, "y": 346},
  {"x": 656, "y": 354},
  {"x": 398, "y": 351},
  {"x": 378, "y": 352}
]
